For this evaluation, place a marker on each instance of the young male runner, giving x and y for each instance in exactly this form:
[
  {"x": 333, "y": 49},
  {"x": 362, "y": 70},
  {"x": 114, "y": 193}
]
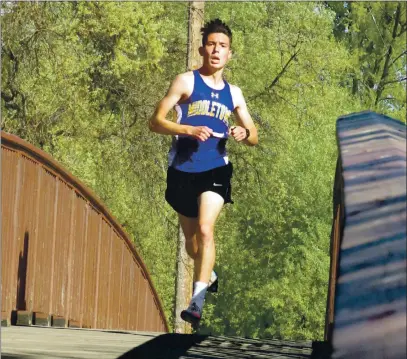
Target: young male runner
[{"x": 199, "y": 172}]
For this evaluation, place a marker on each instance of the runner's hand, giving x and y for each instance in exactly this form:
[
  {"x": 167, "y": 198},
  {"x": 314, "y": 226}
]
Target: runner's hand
[
  {"x": 201, "y": 133},
  {"x": 238, "y": 133}
]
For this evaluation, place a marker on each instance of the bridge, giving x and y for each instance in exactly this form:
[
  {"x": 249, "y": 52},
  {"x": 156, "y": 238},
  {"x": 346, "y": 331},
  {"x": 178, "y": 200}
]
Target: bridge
[{"x": 65, "y": 259}]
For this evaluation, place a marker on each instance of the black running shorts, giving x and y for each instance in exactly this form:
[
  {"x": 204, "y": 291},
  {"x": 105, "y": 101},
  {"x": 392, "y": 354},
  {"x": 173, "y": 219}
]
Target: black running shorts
[{"x": 184, "y": 188}]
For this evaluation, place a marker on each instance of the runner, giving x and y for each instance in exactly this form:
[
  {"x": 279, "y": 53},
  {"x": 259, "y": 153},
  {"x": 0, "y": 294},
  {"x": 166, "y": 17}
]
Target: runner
[{"x": 199, "y": 172}]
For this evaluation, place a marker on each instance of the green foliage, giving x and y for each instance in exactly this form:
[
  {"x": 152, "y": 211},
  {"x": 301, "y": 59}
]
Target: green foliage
[
  {"x": 80, "y": 80},
  {"x": 375, "y": 34}
]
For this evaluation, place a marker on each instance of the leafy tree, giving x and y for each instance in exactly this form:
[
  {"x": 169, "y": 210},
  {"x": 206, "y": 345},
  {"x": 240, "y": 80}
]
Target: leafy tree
[
  {"x": 375, "y": 33},
  {"x": 80, "y": 83},
  {"x": 273, "y": 243},
  {"x": 80, "y": 80}
]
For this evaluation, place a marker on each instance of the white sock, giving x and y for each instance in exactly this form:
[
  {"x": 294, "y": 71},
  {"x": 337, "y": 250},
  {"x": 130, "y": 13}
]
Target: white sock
[
  {"x": 200, "y": 289},
  {"x": 199, "y": 293}
]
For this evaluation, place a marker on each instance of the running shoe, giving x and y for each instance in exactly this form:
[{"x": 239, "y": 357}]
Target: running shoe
[
  {"x": 213, "y": 283},
  {"x": 192, "y": 314}
]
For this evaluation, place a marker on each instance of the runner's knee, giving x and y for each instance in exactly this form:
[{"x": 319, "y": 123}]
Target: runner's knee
[{"x": 205, "y": 232}]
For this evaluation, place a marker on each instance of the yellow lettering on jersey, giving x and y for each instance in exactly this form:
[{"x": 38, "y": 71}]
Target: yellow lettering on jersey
[
  {"x": 222, "y": 112},
  {"x": 192, "y": 109},
  {"x": 214, "y": 105},
  {"x": 227, "y": 115},
  {"x": 208, "y": 108}
]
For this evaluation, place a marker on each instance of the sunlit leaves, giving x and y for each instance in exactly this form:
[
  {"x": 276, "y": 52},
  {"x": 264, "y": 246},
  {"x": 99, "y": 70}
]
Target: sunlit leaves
[{"x": 80, "y": 80}]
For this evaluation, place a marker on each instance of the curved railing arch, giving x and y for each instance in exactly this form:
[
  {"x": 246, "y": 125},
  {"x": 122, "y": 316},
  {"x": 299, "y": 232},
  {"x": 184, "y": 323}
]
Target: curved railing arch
[{"x": 65, "y": 259}]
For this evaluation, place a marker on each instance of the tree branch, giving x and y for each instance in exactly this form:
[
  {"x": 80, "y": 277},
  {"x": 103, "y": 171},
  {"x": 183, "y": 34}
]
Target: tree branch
[
  {"x": 387, "y": 99},
  {"x": 403, "y": 53},
  {"x": 293, "y": 56},
  {"x": 274, "y": 82},
  {"x": 386, "y": 67},
  {"x": 396, "y": 21},
  {"x": 402, "y": 30},
  {"x": 393, "y": 81}
]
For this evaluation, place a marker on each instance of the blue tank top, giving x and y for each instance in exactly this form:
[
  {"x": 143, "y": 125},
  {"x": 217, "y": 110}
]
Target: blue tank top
[{"x": 205, "y": 107}]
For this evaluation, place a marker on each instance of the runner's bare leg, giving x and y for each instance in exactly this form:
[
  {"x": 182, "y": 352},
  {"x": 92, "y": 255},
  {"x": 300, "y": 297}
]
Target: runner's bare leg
[
  {"x": 210, "y": 205},
  {"x": 189, "y": 227}
]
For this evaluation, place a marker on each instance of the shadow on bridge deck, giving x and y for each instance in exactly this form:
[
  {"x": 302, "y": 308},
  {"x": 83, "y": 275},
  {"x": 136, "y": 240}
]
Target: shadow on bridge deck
[
  {"x": 194, "y": 346},
  {"x": 42, "y": 342}
]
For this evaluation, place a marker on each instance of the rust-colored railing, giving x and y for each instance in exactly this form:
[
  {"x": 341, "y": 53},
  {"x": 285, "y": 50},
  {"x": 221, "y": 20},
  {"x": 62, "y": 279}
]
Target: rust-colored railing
[
  {"x": 65, "y": 259},
  {"x": 336, "y": 236}
]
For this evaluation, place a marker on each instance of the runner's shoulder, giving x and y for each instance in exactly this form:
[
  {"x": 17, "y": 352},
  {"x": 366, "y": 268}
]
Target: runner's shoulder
[
  {"x": 235, "y": 89},
  {"x": 186, "y": 77},
  {"x": 185, "y": 81},
  {"x": 237, "y": 95}
]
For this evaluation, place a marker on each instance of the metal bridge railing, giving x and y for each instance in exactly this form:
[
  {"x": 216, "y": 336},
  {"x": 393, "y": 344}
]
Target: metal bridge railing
[{"x": 65, "y": 259}]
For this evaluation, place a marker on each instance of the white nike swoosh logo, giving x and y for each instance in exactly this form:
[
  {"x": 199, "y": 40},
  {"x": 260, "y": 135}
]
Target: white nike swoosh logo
[
  {"x": 218, "y": 134},
  {"x": 217, "y": 184}
]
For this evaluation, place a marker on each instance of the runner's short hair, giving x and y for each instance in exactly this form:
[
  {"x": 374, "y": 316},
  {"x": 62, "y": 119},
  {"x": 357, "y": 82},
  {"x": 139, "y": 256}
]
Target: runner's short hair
[{"x": 215, "y": 26}]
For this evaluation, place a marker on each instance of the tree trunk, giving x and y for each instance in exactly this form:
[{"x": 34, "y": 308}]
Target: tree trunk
[
  {"x": 195, "y": 23},
  {"x": 184, "y": 263},
  {"x": 389, "y": 52}
]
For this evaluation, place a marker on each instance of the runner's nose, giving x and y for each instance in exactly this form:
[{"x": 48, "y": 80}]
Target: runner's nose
[{"x": 216, "y": 48}]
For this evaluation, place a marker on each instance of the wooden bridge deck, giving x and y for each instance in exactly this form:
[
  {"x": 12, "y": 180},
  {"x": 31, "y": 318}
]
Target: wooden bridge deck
[{"x": 44, "y": 342}]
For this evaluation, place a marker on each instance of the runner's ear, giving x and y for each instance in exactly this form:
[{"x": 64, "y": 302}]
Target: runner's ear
[{"x": 201, "y": 50}]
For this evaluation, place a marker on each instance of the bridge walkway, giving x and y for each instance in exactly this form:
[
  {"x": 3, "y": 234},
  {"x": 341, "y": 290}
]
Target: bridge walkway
[{"x": 45, "y": 342}]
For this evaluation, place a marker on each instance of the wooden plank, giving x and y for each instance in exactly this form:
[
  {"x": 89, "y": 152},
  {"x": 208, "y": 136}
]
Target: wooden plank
[{"x": 37, "y": 342}]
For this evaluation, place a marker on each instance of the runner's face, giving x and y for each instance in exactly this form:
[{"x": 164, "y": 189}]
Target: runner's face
[{"x": 216, "y": 51}]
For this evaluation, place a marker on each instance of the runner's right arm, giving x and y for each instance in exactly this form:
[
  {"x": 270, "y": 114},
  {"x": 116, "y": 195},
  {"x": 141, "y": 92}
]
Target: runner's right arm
[{"x": 158, "y": 122}]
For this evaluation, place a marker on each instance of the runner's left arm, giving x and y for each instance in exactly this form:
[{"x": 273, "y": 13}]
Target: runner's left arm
[{"x": 243, "y": 119}]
